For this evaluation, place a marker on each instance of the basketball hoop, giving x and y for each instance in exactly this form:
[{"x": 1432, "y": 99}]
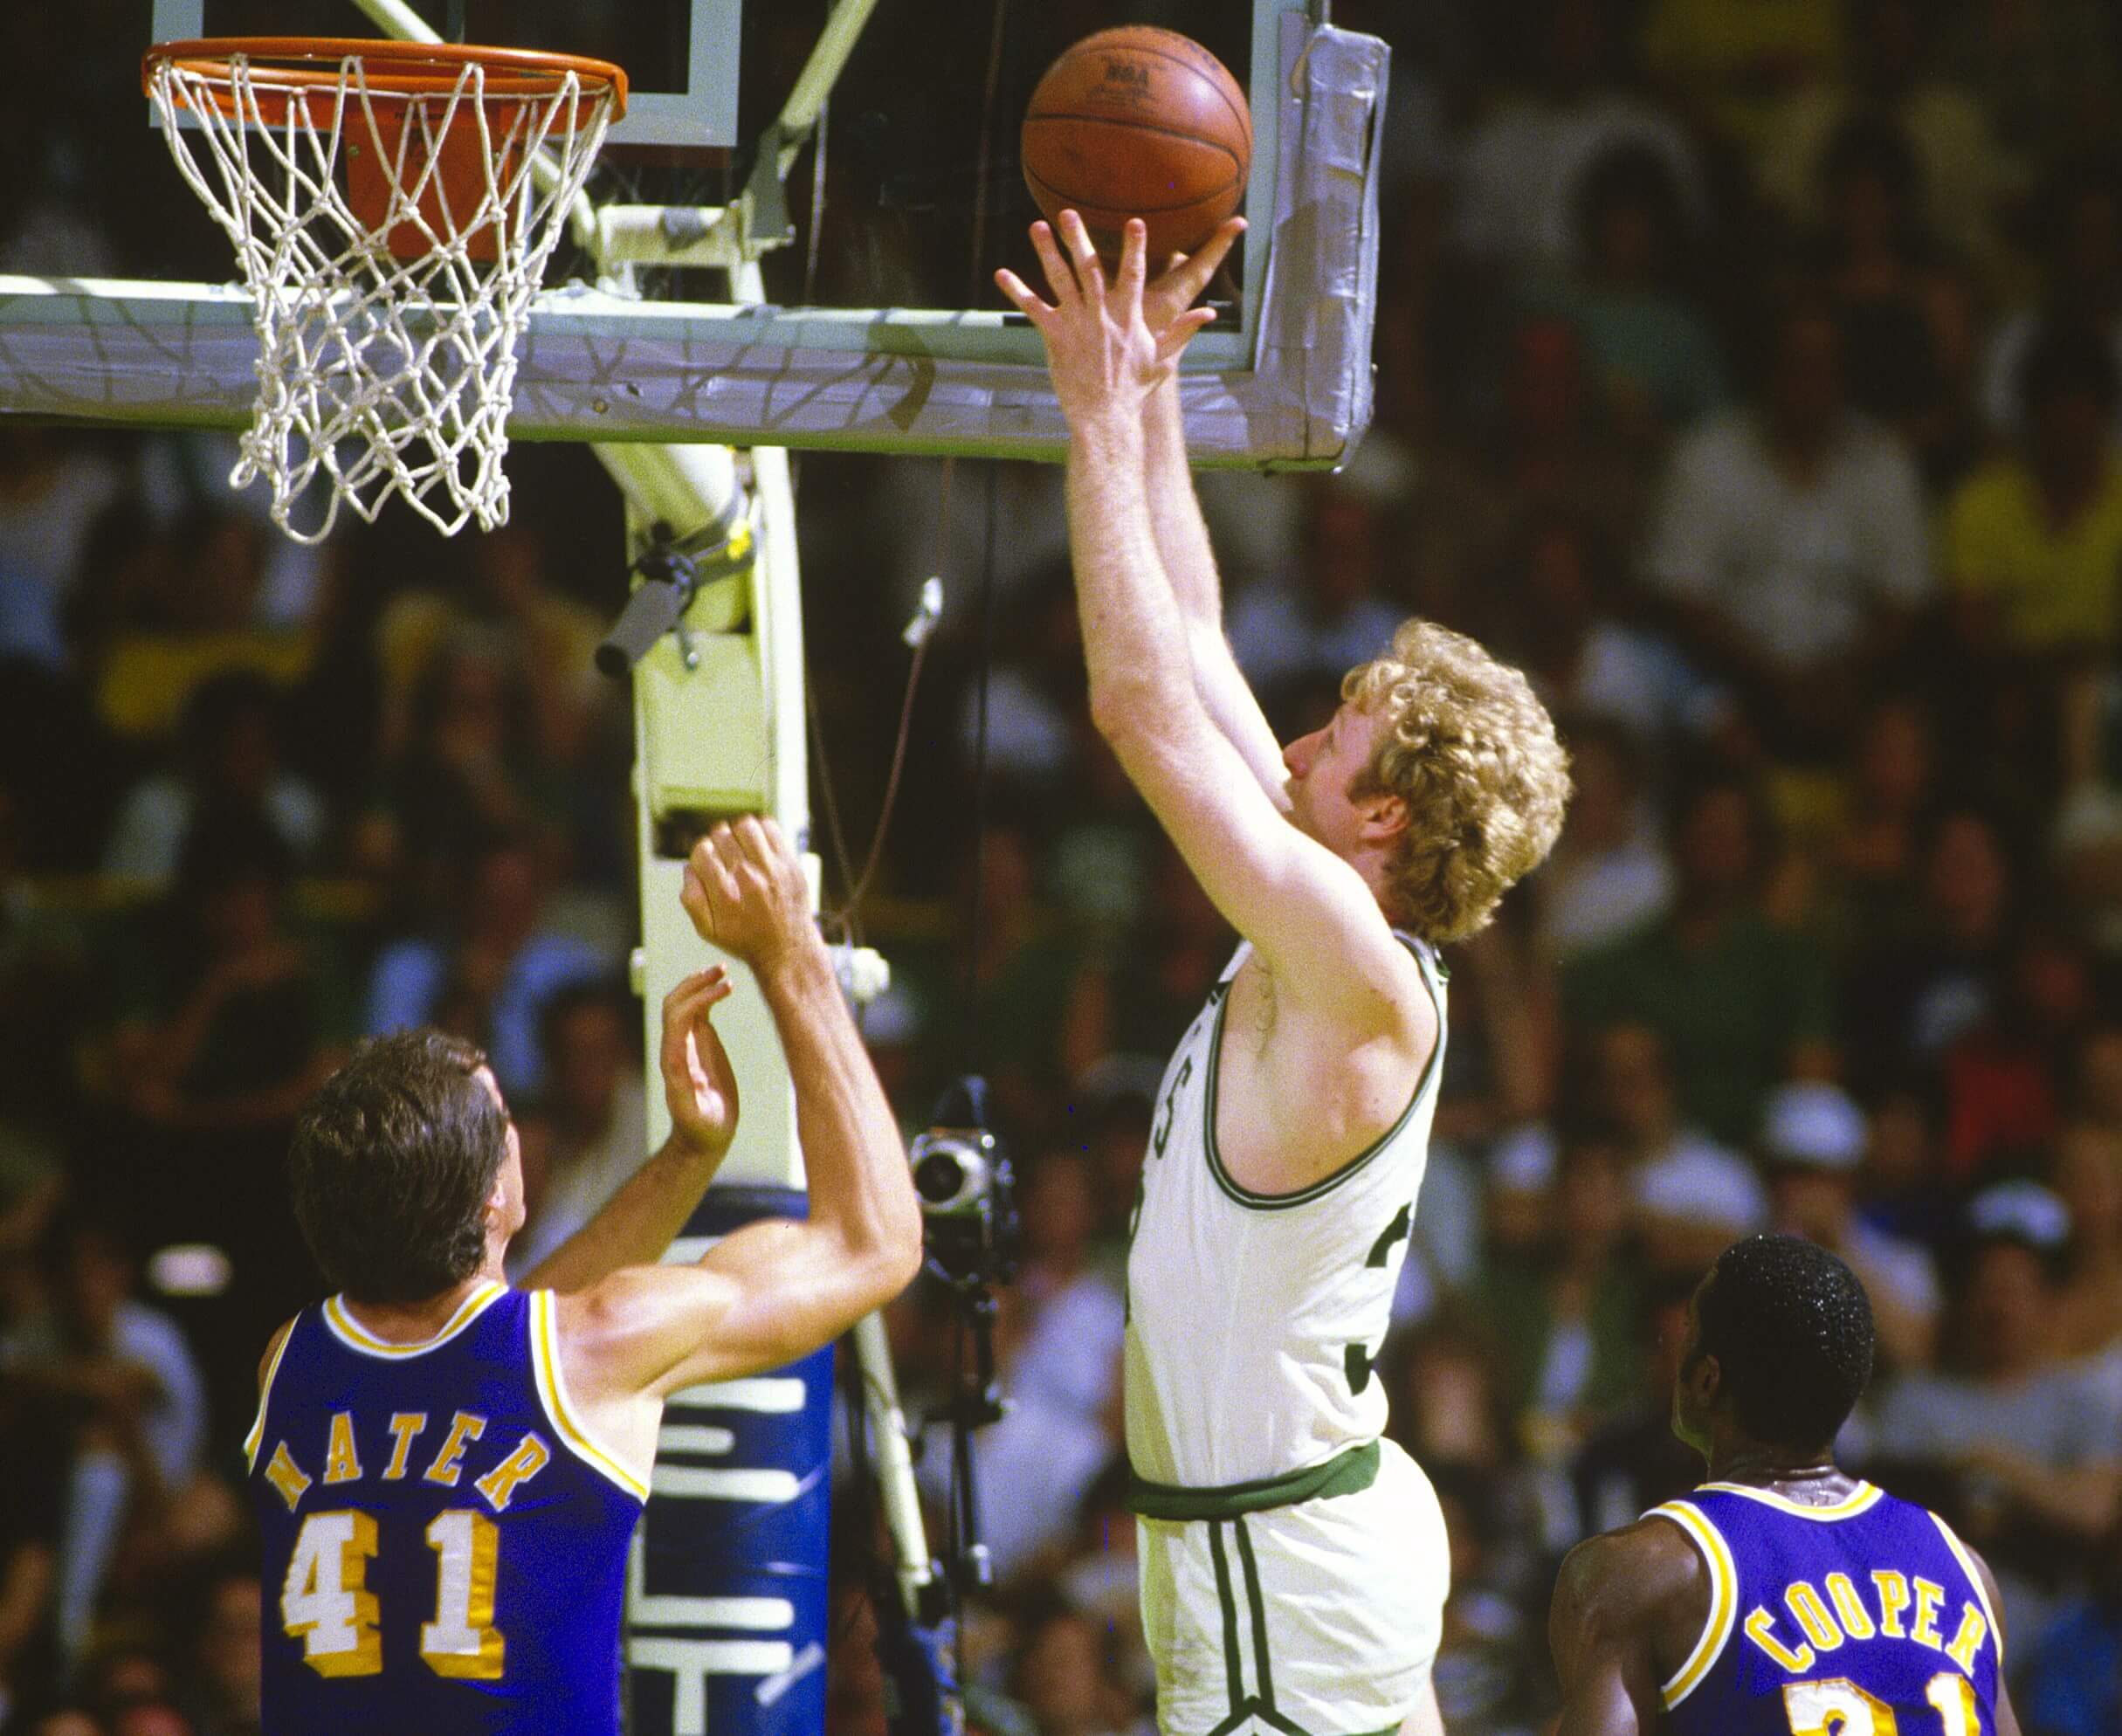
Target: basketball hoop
[{"x": 393, "y": 205}]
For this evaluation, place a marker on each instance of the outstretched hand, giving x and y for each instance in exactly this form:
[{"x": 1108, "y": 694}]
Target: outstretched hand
[
  {"x": 698, "y": 1084},
  {"x": 744, "y": 891},
  {"x": 1102, "y": 349},
  {"x": 1170, "y": 296}
]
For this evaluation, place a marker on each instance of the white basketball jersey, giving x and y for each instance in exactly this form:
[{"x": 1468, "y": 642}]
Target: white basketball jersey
[{"x": 1252, "y": 1317}]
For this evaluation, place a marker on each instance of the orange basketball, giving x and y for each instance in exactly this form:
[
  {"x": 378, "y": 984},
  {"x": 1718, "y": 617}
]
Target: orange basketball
[{"x": 1139, "y": 122}]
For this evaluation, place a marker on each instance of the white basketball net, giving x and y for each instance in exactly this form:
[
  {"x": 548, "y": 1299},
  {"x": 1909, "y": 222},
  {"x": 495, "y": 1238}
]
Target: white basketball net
[{"x": 376, "y": 375}]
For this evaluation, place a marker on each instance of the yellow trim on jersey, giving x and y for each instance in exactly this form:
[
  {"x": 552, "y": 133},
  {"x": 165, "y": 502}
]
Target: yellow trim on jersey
[
  {"x": 1865, "y": 1497},
  {"x": 350, "y": 1332},
  {"x": 553, "y": 1392},
  {"x": 1724, "y": 1598},
  {"x": 1975, "y": 1579},
  {"x": 255, "y": 1438}
]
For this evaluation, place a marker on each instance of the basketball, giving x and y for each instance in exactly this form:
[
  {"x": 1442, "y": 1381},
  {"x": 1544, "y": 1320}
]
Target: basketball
[{"x": 1139, "y": 122}]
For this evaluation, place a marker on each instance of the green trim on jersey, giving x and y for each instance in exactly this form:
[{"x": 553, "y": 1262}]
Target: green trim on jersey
[
  {"x": 1345, "y": 1473},
  {"x": 1255, "y": 1712},
  {"x": 1423, "y": 956}
]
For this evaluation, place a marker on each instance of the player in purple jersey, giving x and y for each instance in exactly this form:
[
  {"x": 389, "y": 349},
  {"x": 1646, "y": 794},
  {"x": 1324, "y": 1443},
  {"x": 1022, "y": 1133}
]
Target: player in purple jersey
[
  {"x": 447, "y": 1472},
  {"x": 1783, "y": 1598}
]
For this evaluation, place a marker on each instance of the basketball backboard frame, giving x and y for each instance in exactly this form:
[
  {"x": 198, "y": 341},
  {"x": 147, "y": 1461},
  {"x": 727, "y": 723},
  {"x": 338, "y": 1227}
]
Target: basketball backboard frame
[
  {"x": 1287, "y": 387},
  {"x": 705, "y": 113}
]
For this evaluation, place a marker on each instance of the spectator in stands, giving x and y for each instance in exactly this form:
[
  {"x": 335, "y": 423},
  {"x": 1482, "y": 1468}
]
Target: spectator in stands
[
  {"x": 1872, "y": 852},
  {"x": 589, "y": 1132},
  {"x": 1566, "y": 624},
  {"x": 2020, "y": 1451},
  {"x": 1488, "y": 1670},
  {"x": 1038, "y": 1461},
  {"x": 504, "y": 957},
  {"x": 35, "y": 1447},
  {"x": 2075, "y": 221},
  {"x": 1634, "y": 1461},
  {"x": 208, "y": 608},
  {"x": 1730, "y": 61},
  {"x": 1813, "y": 1143},
  {"x": 1739, "y": 1003},
  {"x": 1608, "y": 874},
  {"x": 1537, "y": 456},
  {"x": 469, "y": 768},
  {"x": 1066, "y": 1679},
  {"x": 52, "y": 487},
  {"x": 2003, "y": 1082},
  {"x": 227, "y": 756},
  {"x": 505, "y": 612},
  {"x": 124, "y": 1382},
  {"x": 1902, "y": 310},
  {"x": 1069, "y": 1361},
  {"x": 1565, "y": 1318},
  {"x": 2073, "y": 1680},
  {"x": 1290, "y": 630},
  {"x": 1915, "y": 987},
  {"x": 1020, "y": 1011},
  {"x": 2044, "y": 69},
  {"x": 2033, "y": 540},
  {"x": 44, "y": 992},
  {"x": 222, "y": 1696},
  {"x": 2087, "y": 1176},
  {"x": 1964, "y": 174},
  {"x": 1654, "y": 358},
  {"x": 231, "y": 1019},
  {"x": 1903, "y": 1192},
  {"x": 1789, "y": 540},
  {"x": 1522, "y": 170},
  {"x": 1690, "y": 1198}
]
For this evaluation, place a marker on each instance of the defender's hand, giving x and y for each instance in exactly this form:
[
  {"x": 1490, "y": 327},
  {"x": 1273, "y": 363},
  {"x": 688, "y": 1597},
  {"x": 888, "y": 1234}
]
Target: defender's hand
[
  {"x": 746, "y": 893},
  {"x": 698, "y": 1084},
  {"x": 1103, "y": 356}
]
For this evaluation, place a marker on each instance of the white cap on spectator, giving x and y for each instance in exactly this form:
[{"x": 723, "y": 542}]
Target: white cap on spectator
[
  {"x": 2021, "y": 1211},
  {"x": 1813, "y": 1125},
  {"x": 1698, "y": 1182}
]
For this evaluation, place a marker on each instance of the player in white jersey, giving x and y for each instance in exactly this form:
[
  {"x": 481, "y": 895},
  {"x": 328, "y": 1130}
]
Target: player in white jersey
[{"x": 1293, "y": 1562}]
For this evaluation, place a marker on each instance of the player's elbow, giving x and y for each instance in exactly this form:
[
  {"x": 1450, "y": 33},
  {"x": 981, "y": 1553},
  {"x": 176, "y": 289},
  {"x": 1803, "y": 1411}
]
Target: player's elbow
[
  {"x": 886, "y": 1259},
  {"x": 1122, "y": 710}
]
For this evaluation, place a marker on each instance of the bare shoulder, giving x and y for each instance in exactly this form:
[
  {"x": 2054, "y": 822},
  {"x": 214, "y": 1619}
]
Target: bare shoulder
[
  {"x": 615, "y": 1336},
  {"x": 1645, "y": 1580}
]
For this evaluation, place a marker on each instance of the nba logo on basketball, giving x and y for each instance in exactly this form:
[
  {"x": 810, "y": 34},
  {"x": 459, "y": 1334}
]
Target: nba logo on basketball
[{"x": 1124, "y": 72}]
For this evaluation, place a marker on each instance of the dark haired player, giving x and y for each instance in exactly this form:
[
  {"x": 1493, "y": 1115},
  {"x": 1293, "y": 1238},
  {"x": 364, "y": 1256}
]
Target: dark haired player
[
  {"x": 1782, "y": 1597},
  {"x": 447, "y": 1471}
]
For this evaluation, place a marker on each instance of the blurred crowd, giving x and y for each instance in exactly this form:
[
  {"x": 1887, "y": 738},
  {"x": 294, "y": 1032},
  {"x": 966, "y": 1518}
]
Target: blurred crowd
[{"x": 1750, "y": 371}]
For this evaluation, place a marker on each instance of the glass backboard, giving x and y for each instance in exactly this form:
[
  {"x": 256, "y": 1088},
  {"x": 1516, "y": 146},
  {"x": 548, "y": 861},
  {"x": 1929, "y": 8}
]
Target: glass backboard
[{"x": 680, "y": 57}]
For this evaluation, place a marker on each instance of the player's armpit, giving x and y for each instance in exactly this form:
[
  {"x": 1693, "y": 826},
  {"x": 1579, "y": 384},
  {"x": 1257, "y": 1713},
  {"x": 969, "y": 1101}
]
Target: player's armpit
[{"x": 1619, "y": 1600}]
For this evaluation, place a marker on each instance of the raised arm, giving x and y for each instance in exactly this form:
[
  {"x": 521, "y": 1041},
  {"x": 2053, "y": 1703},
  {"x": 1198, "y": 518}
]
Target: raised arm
[
  {"x": 1182, "y": 536},
  {"x": 775, "y": 1290},
  {"x": 1310, "y": 914},
  {"x": 638, "y": 1222}
]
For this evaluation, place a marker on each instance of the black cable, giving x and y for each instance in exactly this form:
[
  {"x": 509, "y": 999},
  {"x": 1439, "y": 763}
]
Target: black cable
[
  {"x": 847, "y": 921},
  {"x": 981, "y": 187}
]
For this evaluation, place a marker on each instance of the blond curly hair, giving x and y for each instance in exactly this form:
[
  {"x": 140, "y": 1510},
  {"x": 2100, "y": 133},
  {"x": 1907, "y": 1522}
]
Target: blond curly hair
[{"x": 1473, "y": 752}]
